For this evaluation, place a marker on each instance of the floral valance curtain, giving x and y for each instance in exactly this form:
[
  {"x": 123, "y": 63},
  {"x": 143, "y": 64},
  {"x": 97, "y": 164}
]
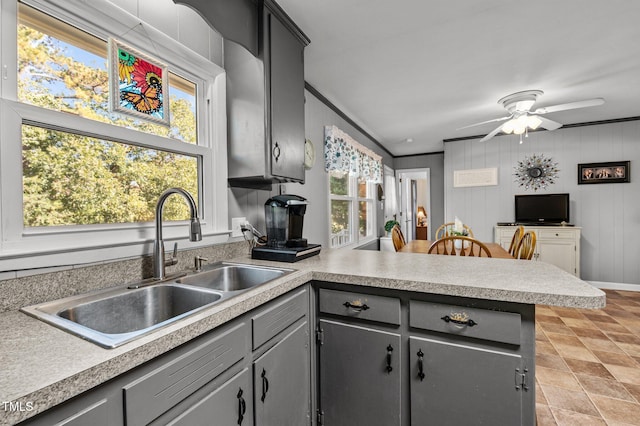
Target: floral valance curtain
[{"x": 342, "y": 153}]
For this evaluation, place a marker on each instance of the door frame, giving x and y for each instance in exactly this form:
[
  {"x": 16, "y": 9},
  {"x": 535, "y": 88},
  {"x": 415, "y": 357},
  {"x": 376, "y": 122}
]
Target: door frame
[{"x": 403, "y": 183}]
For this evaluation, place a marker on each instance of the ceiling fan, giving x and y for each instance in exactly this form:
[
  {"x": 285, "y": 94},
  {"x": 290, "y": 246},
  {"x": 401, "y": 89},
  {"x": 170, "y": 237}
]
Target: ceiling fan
[{"x": 521, "y": 118}]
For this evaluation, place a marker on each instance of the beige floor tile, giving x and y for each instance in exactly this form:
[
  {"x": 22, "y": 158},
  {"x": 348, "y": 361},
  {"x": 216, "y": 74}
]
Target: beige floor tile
[
  {"x": 634, "y": 390},
  {"x": 624, "y": 338},
  {"x": 617, "y": 410},
  {"x": 616, "y": 358},
  {"x": 565, "y": 339},
  {"x": 545, "y": 348},
  {"x": 579, "y": 323},
  {"x": 561, "y": 379},
  {"x": 556, "y": 328},
  {"x": 571, "y": 400},
  {"x": 630, "y": 348},
  {"x": 588, "y": 368},
  {"x": 589, "y": 332},
  {"x": 625, "y": 374},
  {"x": 571, "y": 418},
  {"x": 604, "y": 387},
  {"x": 544, "y": 416},
  {"x": 575, "y": 352},
  {"x": 550, "y": 319},
  {"x": 551, "y": 361},
  {"x": 608, "y": 327},
  {"x": 602, "y": 345}
]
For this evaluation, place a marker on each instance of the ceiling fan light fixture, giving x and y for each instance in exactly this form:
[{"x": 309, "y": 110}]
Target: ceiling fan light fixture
[
  {"x": 507, "y": 127},
  {"x": 533, "y": 122}
]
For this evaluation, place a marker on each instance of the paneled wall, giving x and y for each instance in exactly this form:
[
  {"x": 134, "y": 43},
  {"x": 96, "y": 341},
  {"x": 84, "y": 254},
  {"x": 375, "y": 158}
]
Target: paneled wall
[{"x": 609, "y": 214}]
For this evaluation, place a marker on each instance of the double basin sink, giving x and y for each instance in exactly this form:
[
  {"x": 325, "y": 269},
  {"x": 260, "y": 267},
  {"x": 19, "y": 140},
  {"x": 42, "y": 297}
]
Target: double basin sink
[{"x": 119, "y": 315}]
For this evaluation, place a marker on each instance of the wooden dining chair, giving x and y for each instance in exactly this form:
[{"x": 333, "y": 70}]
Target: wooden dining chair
[
  {"x": 398, "y": 238},
  {"x": 526, "y": 246},
  {"x": 445, "y": 229},
  {"x": 447, "y": 245},
  {"x": 517, "y": 235}
]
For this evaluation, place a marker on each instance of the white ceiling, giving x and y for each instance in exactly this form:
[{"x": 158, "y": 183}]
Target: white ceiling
[{"x": 421, "y": 69}]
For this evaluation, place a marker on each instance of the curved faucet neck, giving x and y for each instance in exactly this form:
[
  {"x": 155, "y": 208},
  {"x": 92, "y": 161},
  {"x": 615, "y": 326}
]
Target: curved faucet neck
[{"x": 193, "y": 209}]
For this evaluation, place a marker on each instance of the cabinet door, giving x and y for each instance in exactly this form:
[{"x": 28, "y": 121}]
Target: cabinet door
[
  {"x": 559, "y": 253},
  {"x": 286, "y": 102},
  {"x": 463, "y": 385},
  {"x": 230, "y": 404},
  {"x": 281, "y": 379},
  {"x": 356, "y": 385}
]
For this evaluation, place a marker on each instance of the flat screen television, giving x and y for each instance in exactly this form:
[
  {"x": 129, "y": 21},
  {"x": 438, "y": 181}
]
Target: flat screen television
[{"x": 542, "y": 208}]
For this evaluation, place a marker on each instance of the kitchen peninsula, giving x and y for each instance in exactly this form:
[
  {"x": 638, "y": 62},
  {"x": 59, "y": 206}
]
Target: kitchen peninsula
[{"x": 44, "y": 366}]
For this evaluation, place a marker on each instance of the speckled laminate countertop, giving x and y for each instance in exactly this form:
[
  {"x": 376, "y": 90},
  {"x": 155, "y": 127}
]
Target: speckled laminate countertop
[{"x": 41, "y": 364}]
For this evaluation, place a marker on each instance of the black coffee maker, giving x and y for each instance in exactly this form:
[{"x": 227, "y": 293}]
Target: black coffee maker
[{"x": 284, "y": 215}]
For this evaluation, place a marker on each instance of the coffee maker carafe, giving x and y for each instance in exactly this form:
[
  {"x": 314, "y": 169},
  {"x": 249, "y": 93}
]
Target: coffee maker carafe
[{"x": 284, "y": 215}]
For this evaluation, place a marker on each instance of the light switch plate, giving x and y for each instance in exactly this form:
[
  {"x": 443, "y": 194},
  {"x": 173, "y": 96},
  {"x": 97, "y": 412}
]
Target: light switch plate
[{"x": 236, "y": 222}]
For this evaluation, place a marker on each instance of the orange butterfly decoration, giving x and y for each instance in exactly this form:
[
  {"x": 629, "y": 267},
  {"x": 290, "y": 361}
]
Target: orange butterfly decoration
[{"x": 146, "y": 102}]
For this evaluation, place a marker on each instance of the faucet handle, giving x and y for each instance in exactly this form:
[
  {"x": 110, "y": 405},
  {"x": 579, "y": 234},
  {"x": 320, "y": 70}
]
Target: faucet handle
[
  {"x": 174, "y": 257},
  {"x": 199, "y": 260}
]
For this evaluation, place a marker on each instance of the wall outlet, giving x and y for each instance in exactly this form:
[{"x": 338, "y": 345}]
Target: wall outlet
[{"x": 236, "y": 222}]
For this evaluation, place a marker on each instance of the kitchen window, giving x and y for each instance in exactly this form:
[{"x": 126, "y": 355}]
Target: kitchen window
[
  {"x": 353, "y": 172},
  {"x": 88, "y": 177},
  {"x": 352, "y": 210}
]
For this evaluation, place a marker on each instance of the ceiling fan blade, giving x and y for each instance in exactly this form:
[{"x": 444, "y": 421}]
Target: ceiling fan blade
[
  {"x": 495, "y": 120},
  {"x": 549, "y": 124},
  {"x": 492, "y": 134},
  {"x": 570, "y": 105}
]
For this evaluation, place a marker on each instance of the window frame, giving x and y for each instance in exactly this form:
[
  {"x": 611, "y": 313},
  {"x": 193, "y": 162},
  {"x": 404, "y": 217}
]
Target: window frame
[
  {"x": 21, "y": 247},
  {"x": 354, "y": 198}
]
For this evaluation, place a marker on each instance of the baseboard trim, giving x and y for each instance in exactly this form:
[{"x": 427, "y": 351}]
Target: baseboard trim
[{"x": 615, "y": 286}]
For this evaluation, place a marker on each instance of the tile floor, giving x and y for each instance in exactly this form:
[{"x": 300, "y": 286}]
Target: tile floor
[{"x": 588, "y": 363}]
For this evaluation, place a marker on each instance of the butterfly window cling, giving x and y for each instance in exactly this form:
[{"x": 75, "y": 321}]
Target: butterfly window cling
[{"x": 138, "y": 84}]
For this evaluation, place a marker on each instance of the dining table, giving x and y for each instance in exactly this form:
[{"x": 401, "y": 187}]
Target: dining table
[{"x": 422, "y": 246}]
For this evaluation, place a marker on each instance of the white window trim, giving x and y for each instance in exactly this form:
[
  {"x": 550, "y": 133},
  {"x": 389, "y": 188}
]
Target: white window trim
[
  {"x": 28, "y": 248},
  {"x": 356, "y": 241}
]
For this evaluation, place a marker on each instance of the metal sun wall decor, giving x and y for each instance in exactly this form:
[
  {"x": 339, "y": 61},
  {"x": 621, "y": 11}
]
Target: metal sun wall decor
[
  {"x": 138, "y": 84},
  {"x": 536, "y": 172}
]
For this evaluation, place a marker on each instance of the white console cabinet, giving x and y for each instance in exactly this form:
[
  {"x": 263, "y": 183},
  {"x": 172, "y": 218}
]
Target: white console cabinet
[{"x": 558, "y": 245}]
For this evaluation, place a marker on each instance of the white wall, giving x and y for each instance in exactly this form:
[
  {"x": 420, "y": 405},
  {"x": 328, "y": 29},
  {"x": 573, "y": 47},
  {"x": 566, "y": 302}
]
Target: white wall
[
  {"x": 609, "y": 214},
  {"x": 179, "y": 22}
]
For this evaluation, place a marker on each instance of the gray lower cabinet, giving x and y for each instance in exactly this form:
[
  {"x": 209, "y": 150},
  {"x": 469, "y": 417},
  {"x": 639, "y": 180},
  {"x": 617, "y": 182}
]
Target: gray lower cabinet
[
  {"x": 281, "y": 380},
  {"x": 360, "y": 375},
  {"x": 456, "y": 384},
  {"x": 230, "y": 404},
  {"x": 215, "y": 379}
]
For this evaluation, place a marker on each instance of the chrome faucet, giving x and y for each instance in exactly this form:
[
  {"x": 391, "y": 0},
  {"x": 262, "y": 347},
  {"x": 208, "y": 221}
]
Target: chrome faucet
[{"x": 195, "y": 233}]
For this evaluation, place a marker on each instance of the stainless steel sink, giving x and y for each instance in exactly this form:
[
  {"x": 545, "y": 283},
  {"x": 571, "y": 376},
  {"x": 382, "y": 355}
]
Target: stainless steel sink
[
  {"x": 113, "y": 317},
  {"x": 231, "y": 277},
  {"x": 116, "y": 316}
]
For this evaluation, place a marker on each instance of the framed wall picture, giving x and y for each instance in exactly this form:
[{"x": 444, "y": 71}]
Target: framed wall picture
[
  {"x": 138, "y": 84},
  {"x": 611, "y": 172}
]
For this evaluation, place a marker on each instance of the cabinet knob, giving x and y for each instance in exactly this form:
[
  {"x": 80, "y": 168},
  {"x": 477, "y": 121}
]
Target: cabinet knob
[{"x": 276, "y": 152}]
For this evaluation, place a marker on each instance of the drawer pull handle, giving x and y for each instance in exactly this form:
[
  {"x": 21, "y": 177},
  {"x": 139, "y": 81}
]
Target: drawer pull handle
[
  {"x": 242, "y": 407},
  {"x": 265, "y": 385},
  {"x": 468, "y": 322},
  {"x": 357, "y": 307},
  {"x": 389, "y": 367},
  {"x": 421, "y": 374}
]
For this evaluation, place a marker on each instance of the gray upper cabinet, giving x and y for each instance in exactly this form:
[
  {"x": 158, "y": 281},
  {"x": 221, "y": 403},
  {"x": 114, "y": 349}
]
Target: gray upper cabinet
[{"x": 265, "y": 104}]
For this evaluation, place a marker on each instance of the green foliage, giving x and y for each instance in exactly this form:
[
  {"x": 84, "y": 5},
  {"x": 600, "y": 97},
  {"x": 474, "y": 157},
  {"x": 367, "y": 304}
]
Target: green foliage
[
  {"x": 388, "y": 226},
  {"x": 71, "y": 179}
]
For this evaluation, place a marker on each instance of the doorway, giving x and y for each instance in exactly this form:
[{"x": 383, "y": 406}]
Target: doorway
[{"x": 415, "y": 203}]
